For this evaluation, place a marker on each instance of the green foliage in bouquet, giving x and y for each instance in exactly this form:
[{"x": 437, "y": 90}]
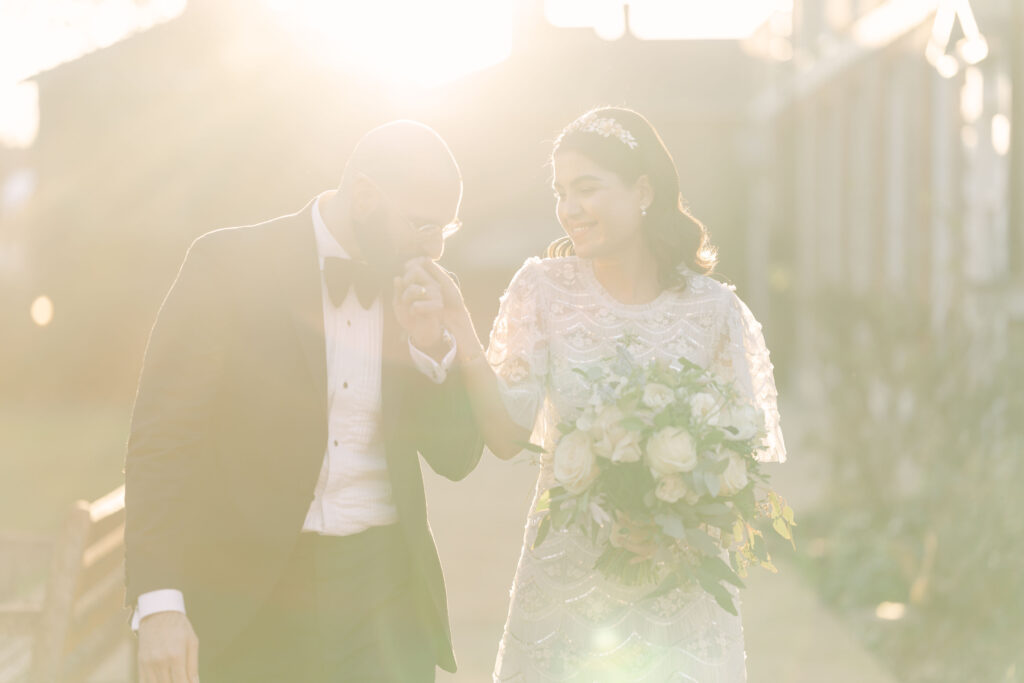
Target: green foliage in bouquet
[{"x": 659, "y": 471}]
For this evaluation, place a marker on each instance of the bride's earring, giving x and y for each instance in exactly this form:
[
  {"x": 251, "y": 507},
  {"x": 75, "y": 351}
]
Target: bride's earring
[{"x": 643, "y": 211}]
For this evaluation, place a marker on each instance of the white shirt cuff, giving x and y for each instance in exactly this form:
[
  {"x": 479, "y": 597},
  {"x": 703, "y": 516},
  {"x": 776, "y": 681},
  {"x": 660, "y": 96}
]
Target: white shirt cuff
[
  {"x": 164, "y": 600},
  {"x": 436, "y": 371}
]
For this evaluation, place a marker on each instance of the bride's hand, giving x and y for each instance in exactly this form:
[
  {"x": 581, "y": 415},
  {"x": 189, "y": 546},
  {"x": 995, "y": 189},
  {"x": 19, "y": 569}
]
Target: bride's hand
[{"x": 455, "y": 314}]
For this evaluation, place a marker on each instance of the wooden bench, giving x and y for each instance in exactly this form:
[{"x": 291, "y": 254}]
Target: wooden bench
[{"x": 66, "y": 627}]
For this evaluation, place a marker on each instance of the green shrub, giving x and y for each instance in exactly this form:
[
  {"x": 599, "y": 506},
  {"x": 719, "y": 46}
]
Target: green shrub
[{"x": 924, "y": 434}]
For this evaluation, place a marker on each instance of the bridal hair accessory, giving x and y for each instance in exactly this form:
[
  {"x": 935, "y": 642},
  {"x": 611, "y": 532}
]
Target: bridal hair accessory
[{"x": 608, "y": 128}]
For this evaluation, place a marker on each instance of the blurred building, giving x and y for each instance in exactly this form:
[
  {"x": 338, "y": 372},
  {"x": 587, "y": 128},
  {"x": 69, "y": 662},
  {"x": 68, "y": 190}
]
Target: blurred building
[
  {"x": 221, "y": 116},
  {"x": 883, "y": 165}
]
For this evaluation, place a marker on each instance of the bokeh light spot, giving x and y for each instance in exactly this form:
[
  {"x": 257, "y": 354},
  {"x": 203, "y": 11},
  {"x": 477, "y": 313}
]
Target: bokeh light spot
[
  {"x": 42, "y": 311},
  {"x": 605, "y": 639},
  {"x": 890, "y": 611}
]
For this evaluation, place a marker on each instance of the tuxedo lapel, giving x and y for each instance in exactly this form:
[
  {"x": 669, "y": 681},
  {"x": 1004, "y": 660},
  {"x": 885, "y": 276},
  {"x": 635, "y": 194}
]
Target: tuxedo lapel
[
  {"x": 400, "y": 451},
  {"x": 302, "y": 292}
]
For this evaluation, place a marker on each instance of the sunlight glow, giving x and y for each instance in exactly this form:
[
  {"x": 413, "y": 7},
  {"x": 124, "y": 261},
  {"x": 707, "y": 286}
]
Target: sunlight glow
[
  {"x": 405, "y": 42},
  {"x": 17, "y": 189},
  {"x": 972, "y": 48},
  {"x": 36, "y": 36},
  {"x": 19, "y": 114},
  {"x": 605, "y": 639},
  {"x": 883, "y": 25},
  {"x": 699, "y": 19},
  {"x": 890, "y": 611},
  {"x": 1001, "y": 134},
  {"x": 972, "y": 95},
  {"x": 42, "y": 311},
  {"x": 665, "y": 19}
]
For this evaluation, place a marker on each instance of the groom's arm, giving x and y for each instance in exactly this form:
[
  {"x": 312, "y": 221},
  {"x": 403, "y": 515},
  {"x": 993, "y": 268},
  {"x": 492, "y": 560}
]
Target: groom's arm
[
  {"x": 436, "y": 413},
  {"x": 441, "y": 422},
  {"x": 170, "y": 420}
]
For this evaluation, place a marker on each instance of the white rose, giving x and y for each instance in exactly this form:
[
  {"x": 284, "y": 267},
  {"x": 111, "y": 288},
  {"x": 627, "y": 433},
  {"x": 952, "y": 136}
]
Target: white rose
[
  {"x": 703, "y": 406},
  {"x": 627, "y": 449},
  {"x": 585, "y": 422},
  {"x": 575, "y": 464},
  {"x": 744, "y": 420},
  {"x": 607, "y": 431},
  {"x": 671, "y": 488},
  {"x": 671, "y": 450},
  {"x": 657, "y": 396},
  {"x": 734, "y": 478}
]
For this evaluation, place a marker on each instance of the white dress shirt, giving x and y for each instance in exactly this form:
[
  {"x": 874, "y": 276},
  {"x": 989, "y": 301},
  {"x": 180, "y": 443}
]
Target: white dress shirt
[{"x": 353, "y": 491}]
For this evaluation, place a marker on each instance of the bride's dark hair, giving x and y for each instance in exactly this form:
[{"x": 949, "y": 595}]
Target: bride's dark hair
[{"x": 631, "y": 150}]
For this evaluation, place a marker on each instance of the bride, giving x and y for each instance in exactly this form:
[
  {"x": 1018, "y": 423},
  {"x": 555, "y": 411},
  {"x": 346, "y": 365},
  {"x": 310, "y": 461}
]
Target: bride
[{"x": 632, "y": 270}]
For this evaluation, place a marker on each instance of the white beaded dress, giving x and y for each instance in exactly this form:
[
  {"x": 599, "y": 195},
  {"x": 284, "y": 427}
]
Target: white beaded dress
[{"x": 567, "y": 622}]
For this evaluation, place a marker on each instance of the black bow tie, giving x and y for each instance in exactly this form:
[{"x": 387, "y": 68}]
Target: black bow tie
[{"x": 342, "y": 273}]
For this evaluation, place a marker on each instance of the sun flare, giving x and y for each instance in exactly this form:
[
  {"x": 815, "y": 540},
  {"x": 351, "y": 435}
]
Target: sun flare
[{"x": 405, "y": 42}]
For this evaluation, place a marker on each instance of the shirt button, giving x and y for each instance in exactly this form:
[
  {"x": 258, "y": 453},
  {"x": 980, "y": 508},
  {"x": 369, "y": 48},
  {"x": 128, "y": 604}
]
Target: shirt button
[
  {"x": 335, "y": 442},
  {"x": 344, "y": 385},
  {"x": 349, "y": 323}
]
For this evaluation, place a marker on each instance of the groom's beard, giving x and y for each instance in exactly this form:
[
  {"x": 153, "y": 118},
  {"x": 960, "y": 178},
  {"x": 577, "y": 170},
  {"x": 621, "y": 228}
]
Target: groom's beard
[{"x": 376, "y": 245}]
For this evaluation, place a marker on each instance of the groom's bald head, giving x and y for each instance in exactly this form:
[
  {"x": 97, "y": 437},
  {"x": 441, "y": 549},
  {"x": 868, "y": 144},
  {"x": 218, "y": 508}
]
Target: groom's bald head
[
  {"x": 403, "y": 156},
  {"x": 400, "y": 185}
]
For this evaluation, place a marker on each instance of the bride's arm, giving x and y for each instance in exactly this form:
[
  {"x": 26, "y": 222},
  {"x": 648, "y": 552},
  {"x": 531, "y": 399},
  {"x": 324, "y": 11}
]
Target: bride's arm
[{"x": 503, "y": 435}]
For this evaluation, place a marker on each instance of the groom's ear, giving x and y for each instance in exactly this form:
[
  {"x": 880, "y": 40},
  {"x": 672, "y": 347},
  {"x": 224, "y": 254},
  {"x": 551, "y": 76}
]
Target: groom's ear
[{"x": 366, "y": 197}]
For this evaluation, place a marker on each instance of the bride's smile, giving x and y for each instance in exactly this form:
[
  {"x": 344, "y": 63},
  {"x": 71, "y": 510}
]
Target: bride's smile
[{"x": 598, "y": 210}]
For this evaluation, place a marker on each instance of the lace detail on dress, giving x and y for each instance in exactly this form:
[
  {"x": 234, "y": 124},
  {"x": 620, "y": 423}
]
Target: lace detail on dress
[
  {"x": 517, "y": 350},
  {"x": 742, "y": 356},
  {"x": 566, "y": 622}
]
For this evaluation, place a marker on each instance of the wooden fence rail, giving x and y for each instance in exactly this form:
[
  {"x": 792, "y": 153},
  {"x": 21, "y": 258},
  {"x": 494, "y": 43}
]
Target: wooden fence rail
[{"x": 63, "y": 629}]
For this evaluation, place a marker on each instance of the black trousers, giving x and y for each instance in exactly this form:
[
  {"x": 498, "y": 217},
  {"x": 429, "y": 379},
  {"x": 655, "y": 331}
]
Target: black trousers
[{"x": 346, "y": 609}]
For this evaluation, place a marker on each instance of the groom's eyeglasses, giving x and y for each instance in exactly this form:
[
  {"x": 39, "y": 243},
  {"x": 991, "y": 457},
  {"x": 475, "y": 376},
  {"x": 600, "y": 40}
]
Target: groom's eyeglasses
[{"x": 446, "y": 230}]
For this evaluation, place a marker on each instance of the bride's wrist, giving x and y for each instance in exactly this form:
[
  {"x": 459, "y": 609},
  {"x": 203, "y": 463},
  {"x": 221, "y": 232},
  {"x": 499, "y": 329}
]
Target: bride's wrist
[{"x": 470, "y": 354}]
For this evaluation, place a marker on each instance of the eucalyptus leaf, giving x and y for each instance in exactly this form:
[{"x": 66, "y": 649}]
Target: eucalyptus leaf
[
  {"x": 542, "y": 532},
  {"x": 633, "y": 423},
  {"x": 664, "y": 419},
  {"x": 718, "y": 592},
  {"x": 712, "y": 438},
  {"x": 713, "y": 483},
  {"x": 703, "y": 543},
  {"x": 668, "y": 583},
  {"x": 720, "y": 570},
  {"x": 671, "y": 525},
  {"x": 532, "y": 447},
  {"x": 714, "y": 466},
  {"x": 712, "y": 509}
]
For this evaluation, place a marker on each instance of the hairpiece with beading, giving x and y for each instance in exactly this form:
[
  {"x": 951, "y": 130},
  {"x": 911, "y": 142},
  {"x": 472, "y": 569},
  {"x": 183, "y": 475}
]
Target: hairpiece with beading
[{"x": 606, "y": 127}]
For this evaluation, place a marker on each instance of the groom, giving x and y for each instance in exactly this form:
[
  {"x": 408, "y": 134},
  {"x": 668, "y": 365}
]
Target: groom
[{"x": 276, "y": 522}]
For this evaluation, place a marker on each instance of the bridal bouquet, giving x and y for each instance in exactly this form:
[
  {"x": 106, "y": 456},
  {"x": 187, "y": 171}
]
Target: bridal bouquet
[{"x": 659, "y": 471}]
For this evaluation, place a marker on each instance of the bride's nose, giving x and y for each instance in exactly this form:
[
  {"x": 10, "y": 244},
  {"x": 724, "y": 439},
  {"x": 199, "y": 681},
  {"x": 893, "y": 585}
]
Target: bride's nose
[{"x": 571, "y": 206}]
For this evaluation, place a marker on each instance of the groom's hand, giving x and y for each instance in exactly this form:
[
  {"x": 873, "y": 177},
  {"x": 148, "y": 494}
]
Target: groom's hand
[
  {"x": 168, "y": 649},
  {"x": 419, "y": 307}
]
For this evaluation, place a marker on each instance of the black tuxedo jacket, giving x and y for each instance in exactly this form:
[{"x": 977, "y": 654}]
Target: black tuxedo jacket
[{"x": 229, "y": 431}]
